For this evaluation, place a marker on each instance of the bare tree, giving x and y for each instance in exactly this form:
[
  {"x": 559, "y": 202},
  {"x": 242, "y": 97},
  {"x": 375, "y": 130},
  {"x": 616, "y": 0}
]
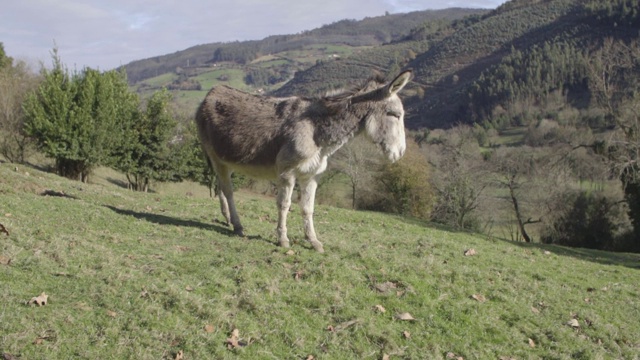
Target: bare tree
[
  {"x": 16, "y": 81},
  {"x": 459, "y": 176},
  {"x": 356, "y": 161}
]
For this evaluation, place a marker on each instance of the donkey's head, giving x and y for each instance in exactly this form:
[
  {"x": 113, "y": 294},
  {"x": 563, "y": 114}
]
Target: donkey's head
[{"x": 383, "y": 123}]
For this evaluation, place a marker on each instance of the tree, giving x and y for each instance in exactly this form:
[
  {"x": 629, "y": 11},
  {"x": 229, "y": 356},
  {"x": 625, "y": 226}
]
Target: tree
[
  {"x": 147, "y": 154},
  {"x": 459, "y": 177},
  {"x": 613, "y": 79},
  {"x": 77, "y": 119},
  {"x": 354, "y": 160},
  {"x": 15, "y": 83}
]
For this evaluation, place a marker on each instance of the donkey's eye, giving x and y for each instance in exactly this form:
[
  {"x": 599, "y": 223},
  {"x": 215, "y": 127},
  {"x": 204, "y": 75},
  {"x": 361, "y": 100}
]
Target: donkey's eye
[{"x": 394, "y": 114}]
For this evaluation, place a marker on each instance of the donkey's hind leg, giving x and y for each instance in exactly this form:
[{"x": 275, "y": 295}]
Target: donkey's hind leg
[
  {"x": 285, "y": 189},
  {"x": 224, "y": 205},
  {"x": 227, "y": 205},
  {"x": 307, "y": 200}
]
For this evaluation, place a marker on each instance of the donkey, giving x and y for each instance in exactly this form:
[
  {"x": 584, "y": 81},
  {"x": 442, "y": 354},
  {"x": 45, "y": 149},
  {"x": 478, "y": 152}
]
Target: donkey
[{"x": 285, "y": 139}]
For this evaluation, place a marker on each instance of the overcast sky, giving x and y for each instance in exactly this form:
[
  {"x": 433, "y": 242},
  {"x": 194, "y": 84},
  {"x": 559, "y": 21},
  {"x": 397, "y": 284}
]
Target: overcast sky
[{"x": 105, "y": 34}]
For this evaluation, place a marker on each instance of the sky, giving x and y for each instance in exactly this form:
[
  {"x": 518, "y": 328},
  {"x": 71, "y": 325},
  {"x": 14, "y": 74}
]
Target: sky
[{"x": 104, "y": 34}]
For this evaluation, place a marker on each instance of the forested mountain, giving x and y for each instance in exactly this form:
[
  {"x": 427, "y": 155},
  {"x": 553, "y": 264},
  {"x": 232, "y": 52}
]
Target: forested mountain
[{"x": 468, "y": 70}]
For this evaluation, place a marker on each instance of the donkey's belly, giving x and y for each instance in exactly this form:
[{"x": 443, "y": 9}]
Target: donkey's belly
[{"x": 254, "y": 171}]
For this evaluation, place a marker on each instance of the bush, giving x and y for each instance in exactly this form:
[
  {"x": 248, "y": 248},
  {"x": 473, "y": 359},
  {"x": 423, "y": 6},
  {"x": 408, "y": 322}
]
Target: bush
[
  {"x": 592, "y": 221},
  {"x": 404, "y": 186}
]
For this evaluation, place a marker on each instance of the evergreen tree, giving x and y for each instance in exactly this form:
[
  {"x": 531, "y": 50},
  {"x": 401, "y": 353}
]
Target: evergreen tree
[{"x": 75, "y": 118}]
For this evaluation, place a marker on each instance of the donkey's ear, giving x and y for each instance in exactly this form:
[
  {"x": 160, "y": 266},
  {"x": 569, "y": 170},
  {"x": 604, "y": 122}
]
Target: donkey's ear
[{"x": 399, "y": 82}]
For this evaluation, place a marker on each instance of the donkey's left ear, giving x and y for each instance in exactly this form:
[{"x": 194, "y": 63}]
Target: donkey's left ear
[{"x": 399, "y": 82}]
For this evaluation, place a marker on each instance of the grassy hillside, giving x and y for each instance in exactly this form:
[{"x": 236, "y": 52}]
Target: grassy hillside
[{"x": 151, "y": 276}]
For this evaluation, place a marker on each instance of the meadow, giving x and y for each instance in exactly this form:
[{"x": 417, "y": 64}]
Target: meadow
[{"x": 158, "y": 276}]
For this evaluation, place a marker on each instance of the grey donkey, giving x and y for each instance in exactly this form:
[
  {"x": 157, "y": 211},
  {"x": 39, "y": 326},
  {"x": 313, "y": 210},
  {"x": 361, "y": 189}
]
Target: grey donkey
[{"x": 284, "y": 139}]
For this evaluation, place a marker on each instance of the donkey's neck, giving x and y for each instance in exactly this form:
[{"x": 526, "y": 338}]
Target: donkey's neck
[{"x": 342, "y": 124}]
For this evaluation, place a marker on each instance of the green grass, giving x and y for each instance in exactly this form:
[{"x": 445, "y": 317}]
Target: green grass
[{"x": 139, "y": 276}]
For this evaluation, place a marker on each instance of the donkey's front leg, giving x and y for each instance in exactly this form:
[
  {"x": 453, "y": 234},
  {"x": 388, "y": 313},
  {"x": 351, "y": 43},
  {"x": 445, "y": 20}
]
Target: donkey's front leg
[
  {"x": 285, "y": 189},
  {"x": 307, "y": 200}
]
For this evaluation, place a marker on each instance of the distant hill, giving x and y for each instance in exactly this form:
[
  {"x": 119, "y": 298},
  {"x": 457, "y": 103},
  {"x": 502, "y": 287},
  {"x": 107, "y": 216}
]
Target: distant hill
[{"x": 371, "y": 31}]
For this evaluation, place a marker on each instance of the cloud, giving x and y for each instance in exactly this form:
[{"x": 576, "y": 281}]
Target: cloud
[{"x": 107, "y": 33}]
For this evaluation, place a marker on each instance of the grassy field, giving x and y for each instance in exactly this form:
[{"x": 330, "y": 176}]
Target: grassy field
[{"x": 157, "y": 276}]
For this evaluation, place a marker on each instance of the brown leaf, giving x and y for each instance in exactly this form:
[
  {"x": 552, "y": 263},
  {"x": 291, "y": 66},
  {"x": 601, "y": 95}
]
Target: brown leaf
[
  {"x": 507, "y": 358},
  {"x": 345, "y": 325},
  {"x": 234, "y": 342},
  {"x": 7, "y": 356},
  {"x": 385, "y": 286},
  {"x": 385, "y": 357},
  {"x": 330, "y": 328},
  {"x": 532, "y": 343},
  {"x": 535, "y": 310},
  {"x": 4, "y": 260},
  {"x": 112, "y": 314},
  {"x": 179, "y": 355},
  {"x": 479, "y": 297},
  {"x": 451, "y": 355},
  {"x": 470, "y": 252},
  {"x": 39, "y": 300},
  {"x": 406, "y": 334},
  {"x": 310, "y": 357},
  {"x": 290, "y": 252},
  {"x": 4, "y": 230},
  {"x": 188, "y": 288},
  {"x": 209, "y": 328},
  {"x": 38, "y": 341},
  {"x": 379, "y": 308},
  {"x": 573, "y": 323},
  {"x": 404, "y": 316},
  {"x": 298, "y": 275}
]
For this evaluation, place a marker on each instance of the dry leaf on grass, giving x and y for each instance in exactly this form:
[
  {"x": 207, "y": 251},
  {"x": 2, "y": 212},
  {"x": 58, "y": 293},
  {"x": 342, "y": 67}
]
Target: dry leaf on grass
[
  {"x": 385, "y": 357},
  {"x": 4, "y": 260},
  {"x": 234, "y": 342},
  {"x": 404, "y": 316},
  {"x": 290, "y": 252},
  {"x": 179, "y": 355},
  {"x": 532, "y": 343},
  {"x": 470, "y": 252},
  {"x": 112, "y": 314},
  {"x": 380, "y": 309},
  {"x": 451, "y": 355},
  {"x": 188, "y": 288},
  {"x": 209, "y": 328},
  {"x": 7, "y": 356},
  {"x": 535, "y": 310},
  {"x": 479, "y": 297},
  {"x": 39, "y": 300},
  {"x": 345, "y": 325},
  {"x": 406, "y": 334},
  {"x": 4, "y": 230},
  {"x": 385, "y": 286},
  {"x": 573, "y": 323},
  {"x": 310, "y": 357}
]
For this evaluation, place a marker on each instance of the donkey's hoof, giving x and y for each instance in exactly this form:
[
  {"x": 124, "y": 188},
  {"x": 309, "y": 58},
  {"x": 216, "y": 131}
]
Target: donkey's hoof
[
  {"x": 238, "y": 231},
  {"x": 318, "y": 246},
  {"x": 284, "y": 243}
]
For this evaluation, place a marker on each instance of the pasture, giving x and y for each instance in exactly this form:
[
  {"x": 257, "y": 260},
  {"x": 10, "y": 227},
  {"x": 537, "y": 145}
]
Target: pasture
[{"x": 156, "y": 276}]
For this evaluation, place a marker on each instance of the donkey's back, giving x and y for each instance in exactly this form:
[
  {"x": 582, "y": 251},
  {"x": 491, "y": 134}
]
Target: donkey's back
[{"x": 243, "y": 129}]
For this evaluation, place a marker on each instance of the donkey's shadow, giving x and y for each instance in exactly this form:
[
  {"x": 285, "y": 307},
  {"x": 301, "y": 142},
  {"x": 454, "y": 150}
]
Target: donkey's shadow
[{"x": 218, "y": 227}]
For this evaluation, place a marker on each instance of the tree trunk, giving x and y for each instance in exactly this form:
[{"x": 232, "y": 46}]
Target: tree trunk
[{"x": 516, "y": 209}]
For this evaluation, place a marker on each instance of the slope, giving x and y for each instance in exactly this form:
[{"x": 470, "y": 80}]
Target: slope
[{"x": 150, "y": 276}]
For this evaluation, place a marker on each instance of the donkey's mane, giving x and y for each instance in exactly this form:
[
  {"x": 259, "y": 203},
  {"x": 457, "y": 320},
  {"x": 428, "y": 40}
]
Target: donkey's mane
[{"x": 375, "y": 81}]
